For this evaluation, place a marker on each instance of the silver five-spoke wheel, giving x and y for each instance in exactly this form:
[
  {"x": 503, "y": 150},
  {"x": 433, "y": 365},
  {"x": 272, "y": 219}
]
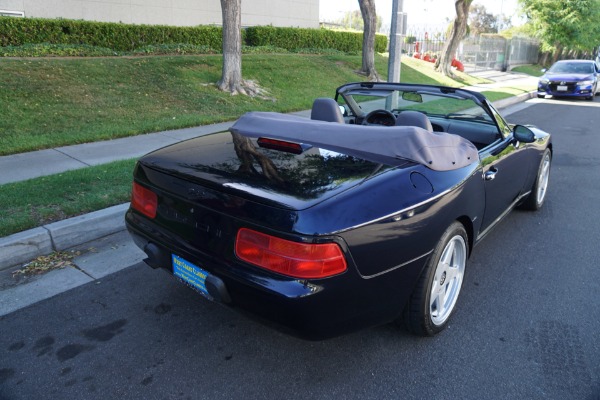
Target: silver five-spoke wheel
[
  {"x": 447, "y": 280},
  {"x": 434, "y": 298},
  {"x": 543, "y": 178},
  {"x": 536, "y": 198}
]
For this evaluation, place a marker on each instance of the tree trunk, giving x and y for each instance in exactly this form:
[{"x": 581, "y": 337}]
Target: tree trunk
[
  {"x": 367, "y": 9},
  {"x": 543, "y": 58},
  {"x": 246, "y": 152},
  {"x": 557, "y": 53},
  {"x": 231, "y": 78},
  {"x": 457, "y": 33}
]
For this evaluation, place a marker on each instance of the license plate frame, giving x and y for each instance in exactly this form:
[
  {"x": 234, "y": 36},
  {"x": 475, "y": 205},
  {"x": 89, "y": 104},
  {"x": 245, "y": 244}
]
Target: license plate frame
[{"x": 190, "y": 274}]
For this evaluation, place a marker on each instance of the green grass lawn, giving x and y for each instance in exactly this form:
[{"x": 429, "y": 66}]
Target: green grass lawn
[
  {"x": 533, "y": 70},
  {"x": 50, "y": 102},
  {"x": 55, "y": 102},
  {"x": 52, "y": 198}
]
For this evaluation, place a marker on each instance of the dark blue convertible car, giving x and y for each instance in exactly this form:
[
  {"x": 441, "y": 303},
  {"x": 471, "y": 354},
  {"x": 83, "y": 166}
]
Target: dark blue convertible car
[
  {"x": 570, "y": 78},
  {"x": 362, "y": 215}
]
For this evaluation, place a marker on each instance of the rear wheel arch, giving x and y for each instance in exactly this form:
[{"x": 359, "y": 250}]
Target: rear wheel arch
[
  {"x": 468, "y": 225},
  {"x": 537, "y": 195},
  {"x": 434, "y": 297}
]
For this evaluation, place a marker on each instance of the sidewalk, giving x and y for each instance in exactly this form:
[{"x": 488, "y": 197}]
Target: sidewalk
[{"x": 104, "y": 230}]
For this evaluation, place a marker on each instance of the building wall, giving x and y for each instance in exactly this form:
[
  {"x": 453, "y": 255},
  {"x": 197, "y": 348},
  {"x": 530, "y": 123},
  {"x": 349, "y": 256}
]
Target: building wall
[{"x": 294, "y": 13}]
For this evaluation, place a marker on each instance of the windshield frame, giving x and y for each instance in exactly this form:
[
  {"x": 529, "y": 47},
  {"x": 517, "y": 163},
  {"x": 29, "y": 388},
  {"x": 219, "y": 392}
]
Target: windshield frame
[{"x": 436, "y": 101}]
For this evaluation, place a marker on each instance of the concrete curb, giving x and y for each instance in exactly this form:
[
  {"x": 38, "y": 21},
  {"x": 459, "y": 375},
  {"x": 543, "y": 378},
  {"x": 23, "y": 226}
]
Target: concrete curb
[
  {"x": 25, "y": 246},
  {"x": 514, "y": 100}
]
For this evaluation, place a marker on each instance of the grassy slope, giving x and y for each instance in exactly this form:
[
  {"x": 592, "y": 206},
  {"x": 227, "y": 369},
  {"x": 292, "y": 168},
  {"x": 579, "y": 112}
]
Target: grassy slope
[
  {"x": 52, "y": 102},
  {"x": 533, "y": 70}
]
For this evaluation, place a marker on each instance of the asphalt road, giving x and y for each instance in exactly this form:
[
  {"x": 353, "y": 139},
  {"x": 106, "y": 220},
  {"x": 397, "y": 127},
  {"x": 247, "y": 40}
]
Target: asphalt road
[{"x": 527, "y": 327}]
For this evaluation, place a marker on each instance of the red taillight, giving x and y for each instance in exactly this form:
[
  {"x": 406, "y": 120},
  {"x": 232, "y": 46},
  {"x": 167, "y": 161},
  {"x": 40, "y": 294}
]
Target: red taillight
[
  {"x": 144, "y": 200},
  {"x": 281, "y": 145},
  {"x": 299, "y": 260}
]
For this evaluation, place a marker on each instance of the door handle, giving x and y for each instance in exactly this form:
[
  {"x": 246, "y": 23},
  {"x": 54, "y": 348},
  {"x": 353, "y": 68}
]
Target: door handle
[{"x": 490, "y": 175}]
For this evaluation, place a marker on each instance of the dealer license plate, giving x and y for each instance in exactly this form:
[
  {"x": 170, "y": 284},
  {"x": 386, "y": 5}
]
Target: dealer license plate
[
  {"x": 561, "y": 88},
  {"x": 191, "y": 274}
]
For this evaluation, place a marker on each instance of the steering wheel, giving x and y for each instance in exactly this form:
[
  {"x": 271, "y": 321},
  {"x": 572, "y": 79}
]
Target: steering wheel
[{"x": 380, "y": 117}]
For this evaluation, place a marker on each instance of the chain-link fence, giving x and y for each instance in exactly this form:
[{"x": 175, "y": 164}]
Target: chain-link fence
[
  {"x": 486, "y": 51},
  {"x": 523, "y": 51}
]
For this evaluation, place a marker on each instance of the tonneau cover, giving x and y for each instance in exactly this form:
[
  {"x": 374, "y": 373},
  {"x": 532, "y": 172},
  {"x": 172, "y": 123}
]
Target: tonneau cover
[{"x": 382, "y": 144}]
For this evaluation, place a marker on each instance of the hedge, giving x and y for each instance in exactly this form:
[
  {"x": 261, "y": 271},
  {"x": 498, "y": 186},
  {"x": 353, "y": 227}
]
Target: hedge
[
  {"x": 305, "y": 38},
  {"x": 118, "y": 37},
  {"x": 128, "y": 37}
]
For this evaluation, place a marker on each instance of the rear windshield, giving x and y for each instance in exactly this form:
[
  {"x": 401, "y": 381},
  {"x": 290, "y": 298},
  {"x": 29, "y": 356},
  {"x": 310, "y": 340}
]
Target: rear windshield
[
  {"x": 245, "y": 166},
  {"x": 307, "y": 175}
]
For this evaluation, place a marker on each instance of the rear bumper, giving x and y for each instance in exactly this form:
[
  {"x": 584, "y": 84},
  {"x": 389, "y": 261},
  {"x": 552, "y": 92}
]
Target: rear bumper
[{"x": 310, "y": 309}]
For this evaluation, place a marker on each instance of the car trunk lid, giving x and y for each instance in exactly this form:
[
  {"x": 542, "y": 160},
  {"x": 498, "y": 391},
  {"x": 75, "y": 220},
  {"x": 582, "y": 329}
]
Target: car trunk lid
[{"x": 275, "y": 177}]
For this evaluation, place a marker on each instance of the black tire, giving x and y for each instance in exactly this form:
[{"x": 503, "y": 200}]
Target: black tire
[
  {"x": 536, "y": 198},
  {"x": 434, "y": 298},
  {"x": 541, "y": 96}
]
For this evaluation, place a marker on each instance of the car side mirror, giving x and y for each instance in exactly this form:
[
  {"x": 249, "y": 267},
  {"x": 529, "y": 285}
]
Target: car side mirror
[
  {"x": 343, "y": 111},
  {"x": 543, "y": 70},
  {"x": 523, "y": 134}
]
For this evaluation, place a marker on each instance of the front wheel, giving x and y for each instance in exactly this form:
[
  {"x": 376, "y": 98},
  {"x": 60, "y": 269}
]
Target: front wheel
[
  {"x": 536, "y": 198},
  {"x": 434, "y": 299}
]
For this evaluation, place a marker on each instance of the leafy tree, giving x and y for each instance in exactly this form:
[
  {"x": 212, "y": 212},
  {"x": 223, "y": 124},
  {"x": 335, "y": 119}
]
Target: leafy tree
[
  {"x": 561, "y": 24},
  {"x": 480, "y": 21},
  {"x": 367, "y": 9},
  {"x": 457, "y": 33},
  {"x": 354, "y": 20}
]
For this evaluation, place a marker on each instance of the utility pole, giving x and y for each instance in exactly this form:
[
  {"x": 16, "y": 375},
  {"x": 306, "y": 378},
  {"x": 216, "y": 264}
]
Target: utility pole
[{"x": 397, "y": 31}]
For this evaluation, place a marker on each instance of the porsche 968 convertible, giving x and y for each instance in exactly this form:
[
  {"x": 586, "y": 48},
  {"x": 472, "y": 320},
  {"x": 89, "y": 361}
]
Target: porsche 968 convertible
[{"x": 364, "y": 214}]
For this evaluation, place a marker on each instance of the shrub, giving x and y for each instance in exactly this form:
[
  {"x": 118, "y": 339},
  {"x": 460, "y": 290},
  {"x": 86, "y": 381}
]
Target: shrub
[
  {"x": 160, "y": 39},
  {"x": 304, "y": 38},
  {"x": 115, "y": 36}
]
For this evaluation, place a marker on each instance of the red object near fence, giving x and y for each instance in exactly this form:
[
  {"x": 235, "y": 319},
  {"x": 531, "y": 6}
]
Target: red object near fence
[
  {"x": 458, "y": 65},
  {"x": 427, "y": 57}
]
